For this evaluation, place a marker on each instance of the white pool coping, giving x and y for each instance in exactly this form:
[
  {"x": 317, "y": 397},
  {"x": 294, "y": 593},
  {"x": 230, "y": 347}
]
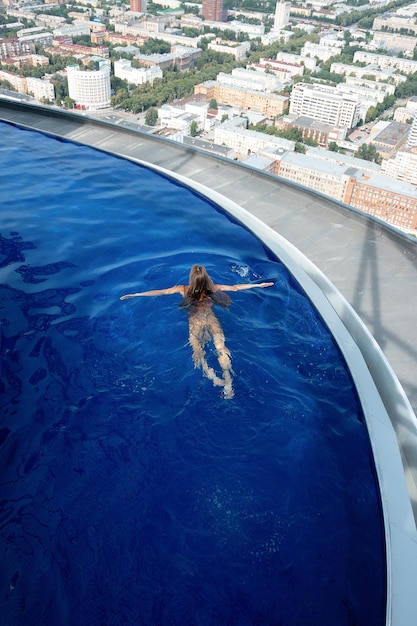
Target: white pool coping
[{"x": 362, "y": 355}]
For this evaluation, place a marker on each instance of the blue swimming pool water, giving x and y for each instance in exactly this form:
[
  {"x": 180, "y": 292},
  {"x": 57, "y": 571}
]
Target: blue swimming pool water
[{"x": 131, "y": 491}]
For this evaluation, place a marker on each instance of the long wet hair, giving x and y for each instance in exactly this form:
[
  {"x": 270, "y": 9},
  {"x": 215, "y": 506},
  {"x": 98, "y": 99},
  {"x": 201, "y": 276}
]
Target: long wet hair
[{"x": 201, "y": 287}]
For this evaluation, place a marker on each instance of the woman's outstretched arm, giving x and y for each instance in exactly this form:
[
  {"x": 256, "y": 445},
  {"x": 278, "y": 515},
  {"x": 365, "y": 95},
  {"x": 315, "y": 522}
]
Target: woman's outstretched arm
[
  {"x": 242, "y": 286},
  {"x": 156, "y": 292}
]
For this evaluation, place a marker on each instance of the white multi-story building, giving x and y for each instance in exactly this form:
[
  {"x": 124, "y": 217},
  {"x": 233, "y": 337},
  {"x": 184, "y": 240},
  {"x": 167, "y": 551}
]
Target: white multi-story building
[
  {"x": 283, "y": 36},
  {"x": 412, "y": 137},
  {"x": 329, "y": 178},
  {"x": 21, "y": 14},
  {"x": 288, "y": 57},
  {"x": 136, "y": 76},
  {"x": 384, "y": 61},
  {"x": 370, "y": 70},
  {"x": 393, "y": 42},
  {"x": 251, "y": 30},
  {"x": 394, "y": 21},
  {"x": 332, "y": 40},
  {"x": 402, "y": 166},
  {"x": 181, "y": 117},
  {"x": 404, "y": 114},
  {"x": 18, "y": 82},
  {"x": 320, "y": 51},
  {"x": 250, "y": 79},
  {"x": 385, "y": 89},
  {"x": 409, "y": 10},
  {"x": 325, "y": 104},
  {"x": 80, "y": 30},
  {"x": 367, "y": 91},
  {"x": 238, "y": 50},
  {"x": 138, "y": 31},
  {"x": 282, "y": 14},
  {"x": 90, "y": 89},
  {"x": 38, "y": 39},
  {"x": 283, "y": 70},
  {"x": 40, "y": 88},
  {"x": 234, "y": 135},
  {"x": 189, "y": 20},
  {"x": 49, "y": 21}
]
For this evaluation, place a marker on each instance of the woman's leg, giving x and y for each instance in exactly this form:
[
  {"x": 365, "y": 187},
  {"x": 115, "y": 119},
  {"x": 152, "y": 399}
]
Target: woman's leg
[
  {"x": 198, "y": 338},
  {"x": 223, "y": 355}
]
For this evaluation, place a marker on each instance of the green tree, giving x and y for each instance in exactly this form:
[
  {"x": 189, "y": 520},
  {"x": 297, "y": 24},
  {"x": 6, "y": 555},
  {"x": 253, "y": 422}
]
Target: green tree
[
  {"x": 213, "y": 104},
  {"x": 193, "y": 129},
  {"x": 155, "y": 46},
  {"x": 368, "y": 152},
  {"x": 408, "y": 87},
  {"x": 300, "y": 147},
  {"x": 151, "y": 117},
  {"x": 69, "y": 103},
  {"x": 370, "y": 114}
]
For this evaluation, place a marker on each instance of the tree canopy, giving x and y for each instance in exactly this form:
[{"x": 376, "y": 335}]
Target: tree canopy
[{"x": 368, "y": 152}]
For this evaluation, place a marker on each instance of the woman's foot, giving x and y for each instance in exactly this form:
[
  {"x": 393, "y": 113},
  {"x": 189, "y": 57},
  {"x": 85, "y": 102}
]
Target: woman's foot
[{"x": 228, "y": 392}]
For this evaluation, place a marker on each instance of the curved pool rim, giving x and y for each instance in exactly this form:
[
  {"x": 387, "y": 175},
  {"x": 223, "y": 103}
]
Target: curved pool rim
[
  {"x": 359, "y": 349},
  {"x": 363, "y": 356}
]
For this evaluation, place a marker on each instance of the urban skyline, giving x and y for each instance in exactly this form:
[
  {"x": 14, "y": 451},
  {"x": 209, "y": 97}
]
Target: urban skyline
[{"x": 323, "y": 114}]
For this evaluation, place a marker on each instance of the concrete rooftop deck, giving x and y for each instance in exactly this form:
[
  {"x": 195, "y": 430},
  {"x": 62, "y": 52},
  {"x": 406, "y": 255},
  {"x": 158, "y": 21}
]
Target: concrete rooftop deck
[{"x": 371, "y": 264}]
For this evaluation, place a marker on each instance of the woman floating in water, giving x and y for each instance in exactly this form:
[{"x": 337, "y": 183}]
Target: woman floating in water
[{"x": 198, "y": 298}]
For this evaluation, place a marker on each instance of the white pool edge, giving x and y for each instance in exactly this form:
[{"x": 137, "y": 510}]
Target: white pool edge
[{"x": 360, "y": 350}]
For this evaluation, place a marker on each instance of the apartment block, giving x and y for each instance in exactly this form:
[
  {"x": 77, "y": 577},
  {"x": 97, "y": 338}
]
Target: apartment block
[
  {"x": 251, "y": 30},
  {"x": 390, "y": 200},
  {"x": 90, "y": 89},
  {"x": 319, "y": 132},
  {"x": 283, "y": 36},
  {"x": 367, "y": 97},
  {"x": 40, "y": 88},
  {"x": 288, "y": 57},
  {"x": 378, "y": 75},
  {"x": 380, "y": 89},
  {"x": 320, "y": 51},
  {"x": 67, "y": 30},
  {"x": 136, "y": 76},
  {"x": 384, "y": 61},
  {"x": 234, "y": 135},
  {"x": 181, "y": 57},
  {"x": 214, "y": 10},
  {"x": 49, "y": 21},
  {"x": 18, "y": 83},
  {"x": 76, "y": 50},
  {"x": 32, "y": 60},
  {"x": 403, "y": 115},
  {"x": 138, "y": 6},
  {"x": 327, "y": 178},
  {"x": 238, "y": 50},
  {"x": 393, "y": 201},
  {"x": 269, "y": 104},
  {"x": 394, "y": 42},
  {"x": 283, "y": 70},
  {"x": 402, "y": 166},
  {"x": 325, "y": 104},
  {"x": 282, "y": 14},
  {"x": 250, "y": 79},
  {"x": 395, "y": 22}
]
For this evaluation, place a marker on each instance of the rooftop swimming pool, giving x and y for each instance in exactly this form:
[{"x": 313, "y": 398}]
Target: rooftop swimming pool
[{"x": 132, "y": 492}]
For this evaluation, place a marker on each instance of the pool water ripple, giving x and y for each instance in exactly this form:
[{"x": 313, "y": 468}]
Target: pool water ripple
[{"x": 131, "y": 491}]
